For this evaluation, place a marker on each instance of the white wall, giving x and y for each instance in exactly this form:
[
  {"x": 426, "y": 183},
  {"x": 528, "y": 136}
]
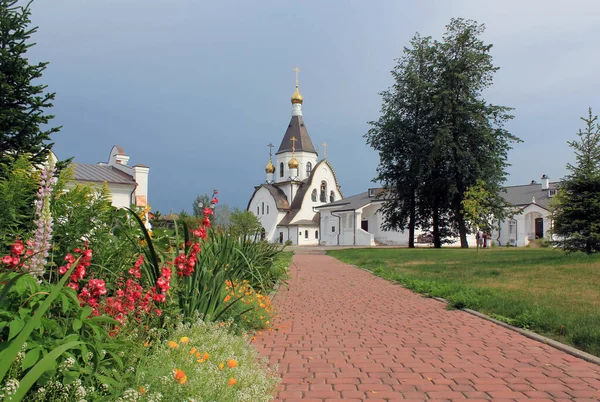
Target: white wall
[
  {"x": 264, "y": 208},
  {"x": 302, "y": 157},
  {"x": 523, "y": 230},
  {"x": 325, "y": 174}
]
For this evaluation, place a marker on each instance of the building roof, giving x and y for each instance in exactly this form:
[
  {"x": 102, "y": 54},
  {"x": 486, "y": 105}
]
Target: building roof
[
  {"x": 101, "y": 174},
  {"x": 351, "y": 203},
  {"x": 305, "y": 222},
  {"x": 279, "y": 196},
  {"x": 524, "y": 194},
  {"x": 296, "y": 129}
]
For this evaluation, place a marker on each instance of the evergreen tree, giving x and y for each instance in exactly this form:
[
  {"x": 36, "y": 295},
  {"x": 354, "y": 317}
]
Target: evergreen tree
[
  {"x": 22, "y": 102},
  {"x": 400, "y": 136},
  {"x": 576, "y": 208},
  {"x": 470, "y": 130},
  {"x": 437, "y": 135}
]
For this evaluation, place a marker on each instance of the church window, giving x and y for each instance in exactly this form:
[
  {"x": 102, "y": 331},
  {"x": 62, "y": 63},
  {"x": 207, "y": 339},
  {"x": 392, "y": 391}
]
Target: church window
[
  {"x": 323, "y": 196},
  {"x": 306, "y": 234},
  {"x": 313, "y": 196},
  {"x": 331, "y": 196},
  {"x": 333, "y": 229},
  {"x": 257, "y": 210},
  {"x": 267, "y": 210},
  {"x": 308, "y": 169},
  {"x": 316, "y": 234},
  {"x": 281, "y": 169},
  {"x": 263, "y": 208}
]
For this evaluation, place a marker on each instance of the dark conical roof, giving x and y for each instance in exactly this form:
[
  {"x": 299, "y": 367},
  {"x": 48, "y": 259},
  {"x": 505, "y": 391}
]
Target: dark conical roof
[{"x": 296, "y": 129}]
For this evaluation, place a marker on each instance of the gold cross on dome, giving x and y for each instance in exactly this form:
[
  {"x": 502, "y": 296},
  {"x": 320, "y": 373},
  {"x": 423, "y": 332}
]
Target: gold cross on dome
[
  {"x": 297, "y": 70},
  {"x": 324, "y": 150},
  {"x": 270, "y": 149},
  {"x": 293, "y": 139}
]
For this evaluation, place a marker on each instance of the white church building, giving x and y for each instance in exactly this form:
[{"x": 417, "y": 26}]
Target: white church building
[
  {"x": 301, "y": 201},
  {"x": 296, "y": 183}
]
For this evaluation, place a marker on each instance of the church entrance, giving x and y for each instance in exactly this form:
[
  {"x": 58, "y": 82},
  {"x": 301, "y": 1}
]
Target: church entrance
[
  {"x": 364, "y": 225},
  {"x": 280, "y": 237}
]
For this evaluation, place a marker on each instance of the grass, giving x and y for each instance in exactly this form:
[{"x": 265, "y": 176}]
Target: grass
[{"x": 544, "y": 290}]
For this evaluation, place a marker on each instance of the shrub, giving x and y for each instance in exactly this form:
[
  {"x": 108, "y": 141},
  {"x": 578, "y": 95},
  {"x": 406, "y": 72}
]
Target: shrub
[{"x": 202, "y": 361}]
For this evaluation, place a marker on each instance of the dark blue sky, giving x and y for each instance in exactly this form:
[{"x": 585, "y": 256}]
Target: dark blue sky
[{"x": 197, "y": 89}]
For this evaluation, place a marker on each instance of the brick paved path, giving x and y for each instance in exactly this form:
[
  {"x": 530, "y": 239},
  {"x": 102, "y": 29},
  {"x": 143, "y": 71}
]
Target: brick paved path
[{"x": 345, "y": 334}]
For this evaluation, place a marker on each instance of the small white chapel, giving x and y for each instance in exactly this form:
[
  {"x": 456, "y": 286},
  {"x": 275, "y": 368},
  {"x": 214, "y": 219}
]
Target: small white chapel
[{"x": 295, "y": 184}]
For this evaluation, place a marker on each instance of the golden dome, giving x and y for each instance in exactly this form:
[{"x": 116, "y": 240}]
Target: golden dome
[
  {"x": 296, "y": 97},
  {"x": 293, "y": 163},
  {"x": 270, "y": 167}
]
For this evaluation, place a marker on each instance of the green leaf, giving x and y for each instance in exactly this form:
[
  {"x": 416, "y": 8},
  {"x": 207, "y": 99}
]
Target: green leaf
[
  {"x": 47, "y": 363},
  {"x": 15, "y": 326},
  {"x": 77, "y": 324},
  {"x": 85, "y": 312},
  {"x": 70, "y": 376},
  {"x": 30, "y": 358}
]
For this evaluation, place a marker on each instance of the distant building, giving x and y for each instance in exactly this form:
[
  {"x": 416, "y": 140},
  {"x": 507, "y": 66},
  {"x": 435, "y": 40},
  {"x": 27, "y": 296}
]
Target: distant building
[
  {"x": 128, "y": 185},
  {"x": 531, "y": 208}
]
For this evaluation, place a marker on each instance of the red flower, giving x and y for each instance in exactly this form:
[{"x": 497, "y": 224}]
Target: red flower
[
  {"x": 208, "y": 211},
  {"x": 17, "y": 248},
  {"x": 206, "y": 222},
  {"x": 201, "y": 232},
  {"x": 7, "y": 260},
  {"x": 215, "y": 200}
]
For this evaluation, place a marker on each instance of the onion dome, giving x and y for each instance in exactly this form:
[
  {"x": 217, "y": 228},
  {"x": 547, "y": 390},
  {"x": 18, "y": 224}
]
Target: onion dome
[
  {"x": 270, "y": 168},
  {"x": 293, "y": 163},
  {"x": 296, "y": 97}
]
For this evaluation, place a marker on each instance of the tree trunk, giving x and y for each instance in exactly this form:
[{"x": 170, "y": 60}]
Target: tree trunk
[
  {"x": 462, "y": 230},
  {"x": 411, "y": 223},
  {"x": 437, "y": 241}
]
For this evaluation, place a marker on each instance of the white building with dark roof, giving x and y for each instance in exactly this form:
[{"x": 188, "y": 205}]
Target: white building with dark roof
[
  {"x": 530, "y": 205},
  {"x": 296, "y": 184},
  {"x": 128, "y": 185}
]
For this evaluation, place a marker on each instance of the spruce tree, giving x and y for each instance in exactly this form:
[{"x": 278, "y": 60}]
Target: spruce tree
[
  {"x": 23, "y": 100},
  {"x": 576, "y": 208}
]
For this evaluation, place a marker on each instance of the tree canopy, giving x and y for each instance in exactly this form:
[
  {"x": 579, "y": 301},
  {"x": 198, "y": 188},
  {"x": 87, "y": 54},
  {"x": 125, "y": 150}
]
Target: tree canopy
[
  {"x": 23, "y": 101},
  {"x": 437, "y": 136}
]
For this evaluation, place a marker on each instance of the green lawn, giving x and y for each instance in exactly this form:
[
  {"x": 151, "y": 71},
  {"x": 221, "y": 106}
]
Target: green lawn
[{"x": 544, "y": 290}]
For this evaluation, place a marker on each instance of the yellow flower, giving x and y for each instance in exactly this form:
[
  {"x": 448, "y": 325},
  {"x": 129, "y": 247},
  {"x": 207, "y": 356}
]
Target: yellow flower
[
  {"x": 232, "y": 363},
  {"x": 173, "y": 345},
  {"x": 221, "y": 365},
  {"x": 193, "y": 351},
  {"x": 184, "y": 339},
  {"x": 231, "y": 382},
  {"x": 205, "y": 356},
  {"x": 180, "y": 376}
]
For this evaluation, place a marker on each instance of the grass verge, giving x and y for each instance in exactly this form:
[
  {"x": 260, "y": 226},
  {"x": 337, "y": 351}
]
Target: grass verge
[{"x": 543, "y": 290}]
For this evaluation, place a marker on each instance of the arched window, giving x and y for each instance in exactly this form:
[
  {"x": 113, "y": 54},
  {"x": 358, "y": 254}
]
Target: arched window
[
  {"x": 323, "y": 196},
  {"x": 306, "y": 234},
  {"x": 316, "y": 234},
  {"x": 267, "y": 210},
  {"x": 281, "y": 169},
  {"x": 308, "y": 169},
  {"x": 331, "y": 196},
  {"x": 263, "y": 208},
  {"x": 257, "y": 210},
  {"x": 313, "y": 196}
]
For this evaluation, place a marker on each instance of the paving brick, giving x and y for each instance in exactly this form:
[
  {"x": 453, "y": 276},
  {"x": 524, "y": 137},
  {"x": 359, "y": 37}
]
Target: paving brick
[{"x": 347, "y": 335}]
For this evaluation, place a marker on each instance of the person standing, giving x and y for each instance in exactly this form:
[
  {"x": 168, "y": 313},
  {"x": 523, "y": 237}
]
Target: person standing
[{"x": 479, "y": 237}]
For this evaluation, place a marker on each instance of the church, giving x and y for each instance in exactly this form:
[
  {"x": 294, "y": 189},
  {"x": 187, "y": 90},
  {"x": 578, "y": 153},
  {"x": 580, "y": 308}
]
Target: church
[{"x": 295, "y": 184}]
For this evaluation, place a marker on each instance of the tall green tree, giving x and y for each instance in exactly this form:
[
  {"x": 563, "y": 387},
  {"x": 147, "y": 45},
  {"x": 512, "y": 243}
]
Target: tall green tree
[
  {"x": 576, "y": 208},
  {"x": 437, "y": 135},
  {"x": 471, "y": 130},
  {"x": 401, "y": 133},
  {"x": 23, "y": 100}
]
